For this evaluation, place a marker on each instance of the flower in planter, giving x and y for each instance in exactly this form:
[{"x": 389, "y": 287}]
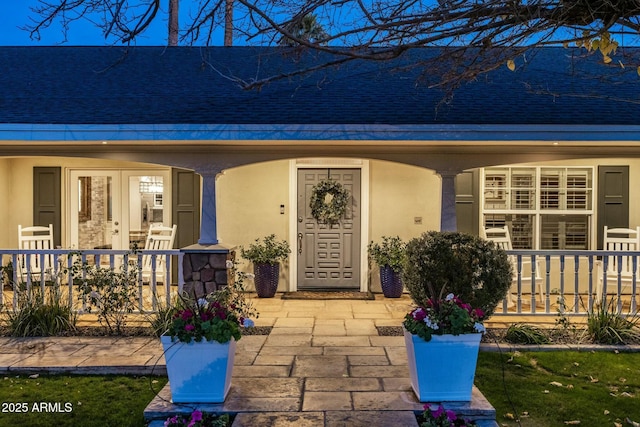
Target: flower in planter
[
  {"x": 444, "y": 316},
  {"x": 217, "y": 317},
  {"x": 441, "y": 417},
  {"x": 197, "y": 419}
]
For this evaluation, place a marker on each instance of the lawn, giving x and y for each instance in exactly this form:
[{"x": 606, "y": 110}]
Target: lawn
[
  {"x": 540, "y": 388},
  {"x": 64, "y": 400},
  {"x": 562, "y": 388}
]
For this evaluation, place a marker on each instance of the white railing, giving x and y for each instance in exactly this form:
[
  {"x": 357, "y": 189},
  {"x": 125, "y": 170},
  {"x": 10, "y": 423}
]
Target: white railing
[
  {"x": 23, "y": 273},
  {"x": 546, "y": 281}
]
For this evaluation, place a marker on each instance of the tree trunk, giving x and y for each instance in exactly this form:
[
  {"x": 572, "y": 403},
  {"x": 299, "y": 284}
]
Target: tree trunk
[
  {"x": 173, "y": 23},
  {"x": 228, "y": 23}
]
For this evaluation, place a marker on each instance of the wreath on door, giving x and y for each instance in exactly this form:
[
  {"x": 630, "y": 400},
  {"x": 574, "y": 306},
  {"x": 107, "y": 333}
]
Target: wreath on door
[{"x": 329, "y": 201}]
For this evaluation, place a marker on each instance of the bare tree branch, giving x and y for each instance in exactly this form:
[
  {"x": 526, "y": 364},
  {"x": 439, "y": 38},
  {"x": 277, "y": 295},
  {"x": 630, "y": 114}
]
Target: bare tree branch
[{"x": 475, "y": 36}]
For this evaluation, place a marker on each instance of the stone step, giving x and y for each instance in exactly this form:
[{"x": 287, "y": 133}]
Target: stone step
[{"x": 382, "y": 413}]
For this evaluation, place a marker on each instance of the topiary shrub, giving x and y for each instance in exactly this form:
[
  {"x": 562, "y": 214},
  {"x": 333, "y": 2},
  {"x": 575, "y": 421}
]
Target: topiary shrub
[{"x": 473, "y": 269}]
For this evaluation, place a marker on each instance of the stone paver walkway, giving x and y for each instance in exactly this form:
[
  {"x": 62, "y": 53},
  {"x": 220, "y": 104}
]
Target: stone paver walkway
[{"x": 323, "y": 364}]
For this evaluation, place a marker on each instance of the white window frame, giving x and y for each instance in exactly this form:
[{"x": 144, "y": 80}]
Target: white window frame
[{"x": 536, "y": 211}]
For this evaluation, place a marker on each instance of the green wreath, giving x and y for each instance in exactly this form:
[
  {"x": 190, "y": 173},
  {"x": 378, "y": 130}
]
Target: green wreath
[{"x": 329, "y": 201}]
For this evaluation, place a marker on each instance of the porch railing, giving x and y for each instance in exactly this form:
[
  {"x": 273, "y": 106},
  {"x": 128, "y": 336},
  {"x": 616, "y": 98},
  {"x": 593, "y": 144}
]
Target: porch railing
[
  {"x": 60, "y": 273},
  {"x": 560, "y": 281},
  {"x": 567, "y": 282}
]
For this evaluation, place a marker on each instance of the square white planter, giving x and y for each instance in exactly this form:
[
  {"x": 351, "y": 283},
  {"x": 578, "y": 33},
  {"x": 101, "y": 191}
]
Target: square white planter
[
  {"x": 442, "y": 369},
  {"x": 199, "y": 372}
]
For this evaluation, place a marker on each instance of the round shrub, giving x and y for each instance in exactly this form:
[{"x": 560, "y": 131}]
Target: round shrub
[{"x": 474, "y": 269}]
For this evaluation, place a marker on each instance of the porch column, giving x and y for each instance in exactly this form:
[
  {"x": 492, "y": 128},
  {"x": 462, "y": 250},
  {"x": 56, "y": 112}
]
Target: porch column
[
  {"x": 208, "y": 225},
  {"x": 448, "y": 220}
]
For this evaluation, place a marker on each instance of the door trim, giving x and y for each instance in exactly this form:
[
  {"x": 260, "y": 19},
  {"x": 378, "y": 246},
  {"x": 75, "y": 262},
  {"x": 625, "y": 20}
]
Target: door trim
[{"x": 296, "y": 164}]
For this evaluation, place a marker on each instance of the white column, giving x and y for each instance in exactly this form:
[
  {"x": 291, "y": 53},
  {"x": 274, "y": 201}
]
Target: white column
[
  {"x": 208, "y": 225},
  {"x": 448, "y": 201}
]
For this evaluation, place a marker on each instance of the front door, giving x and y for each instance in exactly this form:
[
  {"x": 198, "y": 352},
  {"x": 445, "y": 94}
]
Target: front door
[
  {"x": 113, "y": 209},
  {"x": 328, "y": 254}
]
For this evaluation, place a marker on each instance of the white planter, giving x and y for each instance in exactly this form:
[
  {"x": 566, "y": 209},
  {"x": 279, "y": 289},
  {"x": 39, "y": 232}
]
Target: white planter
[
  {"x": 199, "y": 372},
  {"x": 442, "y": 369}
]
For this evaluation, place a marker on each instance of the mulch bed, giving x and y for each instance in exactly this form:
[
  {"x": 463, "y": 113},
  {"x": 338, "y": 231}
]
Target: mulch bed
[{"x": 132, "y": 331}]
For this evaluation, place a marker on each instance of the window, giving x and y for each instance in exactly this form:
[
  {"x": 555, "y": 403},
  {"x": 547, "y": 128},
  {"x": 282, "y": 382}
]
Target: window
[{"x": 544, "y": 207}]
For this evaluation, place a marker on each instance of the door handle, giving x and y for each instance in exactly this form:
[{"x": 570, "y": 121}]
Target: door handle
[{"x": 300, "y": 243}]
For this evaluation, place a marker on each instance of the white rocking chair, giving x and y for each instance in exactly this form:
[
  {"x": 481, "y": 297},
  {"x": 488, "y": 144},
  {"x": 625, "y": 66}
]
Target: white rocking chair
[
  {"x": 31, "y": 267},
  {"x": 159, "y": 238},
  {"x": 620, "y": 269}
]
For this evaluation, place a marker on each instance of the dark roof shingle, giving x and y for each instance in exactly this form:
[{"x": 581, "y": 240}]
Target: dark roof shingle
[{"x": 191, "y": 85}]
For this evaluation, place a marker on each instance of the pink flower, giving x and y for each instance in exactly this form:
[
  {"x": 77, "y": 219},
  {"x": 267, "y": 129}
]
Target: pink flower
[
  {"x": 478, "y": 313},
  {"x": 187, "y": 314},
  {"x": 189, "y": 328}
]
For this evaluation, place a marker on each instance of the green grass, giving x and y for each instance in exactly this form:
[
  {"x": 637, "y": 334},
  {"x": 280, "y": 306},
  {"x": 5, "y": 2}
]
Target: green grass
[
  {"x": 80, "y": 400},
  {"x": 541, "y": 388},
  {"x": 553, "y": 388}
]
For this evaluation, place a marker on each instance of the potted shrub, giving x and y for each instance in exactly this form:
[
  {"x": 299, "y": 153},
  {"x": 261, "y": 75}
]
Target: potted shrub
[
  {"x": 390, "y": 257},
  {"x": 266, "y": 256},
  {"x": 199, "y": 346},
  {"x": 456, "y": 280}
]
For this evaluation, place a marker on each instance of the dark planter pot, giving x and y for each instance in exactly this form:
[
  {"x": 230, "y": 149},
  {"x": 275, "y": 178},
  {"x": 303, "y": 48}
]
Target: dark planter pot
[
  {"x": 266, "y": 279},
  {"x": 391, "y": 282}
]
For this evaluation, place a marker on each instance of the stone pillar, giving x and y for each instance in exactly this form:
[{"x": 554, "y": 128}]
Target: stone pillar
[
  {"x": 208, "y": 224},
  {"x": 448, "y": 220},
  {"x": 206, "y": 269}
]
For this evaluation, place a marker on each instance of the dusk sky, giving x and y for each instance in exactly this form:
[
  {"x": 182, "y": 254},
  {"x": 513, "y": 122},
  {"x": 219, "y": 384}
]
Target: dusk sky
[{"x": 15, "y": 13}]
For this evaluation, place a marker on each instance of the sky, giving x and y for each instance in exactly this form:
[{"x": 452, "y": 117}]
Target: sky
[{"x": 15, "y": 13}]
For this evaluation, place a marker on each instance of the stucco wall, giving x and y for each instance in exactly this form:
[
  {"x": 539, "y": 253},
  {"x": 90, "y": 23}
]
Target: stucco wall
[
  {"x": 17, "y": 184},
  {"x": 249, "y": 199}
]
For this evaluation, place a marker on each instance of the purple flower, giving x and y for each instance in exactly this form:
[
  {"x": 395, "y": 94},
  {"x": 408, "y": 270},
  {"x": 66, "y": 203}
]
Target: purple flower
[
  {"x": 196, "y": 416},
  {"x": 187, "y": 314},
  {"x": 451, "y": 416},
  {"x": 189, "y": 328},
  {"x": 419, "y": 314}
]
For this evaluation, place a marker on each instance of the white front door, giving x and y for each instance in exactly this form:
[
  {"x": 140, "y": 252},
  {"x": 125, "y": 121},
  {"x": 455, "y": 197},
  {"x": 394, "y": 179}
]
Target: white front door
[{"x": 113, "y": 209}]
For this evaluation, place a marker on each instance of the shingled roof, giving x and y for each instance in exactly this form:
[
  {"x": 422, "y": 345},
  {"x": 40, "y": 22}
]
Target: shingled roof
[{"x": 192, "y": 85}]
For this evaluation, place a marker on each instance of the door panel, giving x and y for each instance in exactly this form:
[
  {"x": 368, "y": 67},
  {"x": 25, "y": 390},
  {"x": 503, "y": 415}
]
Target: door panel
[{"x": 328, "y": 255}]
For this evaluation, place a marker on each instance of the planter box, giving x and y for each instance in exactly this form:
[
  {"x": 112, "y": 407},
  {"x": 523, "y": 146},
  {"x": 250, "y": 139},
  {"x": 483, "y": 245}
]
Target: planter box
[
  {"x": 442, "y": 369},
  {"x": 199, "y": 372}
]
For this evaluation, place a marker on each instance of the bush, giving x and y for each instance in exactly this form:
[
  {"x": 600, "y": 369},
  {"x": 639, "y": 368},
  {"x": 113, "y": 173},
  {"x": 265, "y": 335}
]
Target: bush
[
  {"x": 473, "y": 269},
  {"x": 40, "y": 313},
  {"x": 606, "y": 325},
  {"x": 111, "y": 293},
  {"x": 269, "y": 251},
  {"x": 520, "y": 333},
  {"x": 391, "y": 252}
]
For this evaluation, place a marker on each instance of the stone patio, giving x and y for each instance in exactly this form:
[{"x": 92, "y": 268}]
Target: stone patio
[{"x": 323, "y": 364}]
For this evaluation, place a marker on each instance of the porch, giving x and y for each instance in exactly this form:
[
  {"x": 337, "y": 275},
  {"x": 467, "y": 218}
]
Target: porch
[{"x": 546, "y": 282}]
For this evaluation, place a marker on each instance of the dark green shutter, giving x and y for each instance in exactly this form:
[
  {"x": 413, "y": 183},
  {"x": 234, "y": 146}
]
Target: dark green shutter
[
  {"x": 47, "y": 199},
  {"x": 185, "y": 209},
  {"x": 613, "y": 198},
  {"x": 468, "y": 202}
]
